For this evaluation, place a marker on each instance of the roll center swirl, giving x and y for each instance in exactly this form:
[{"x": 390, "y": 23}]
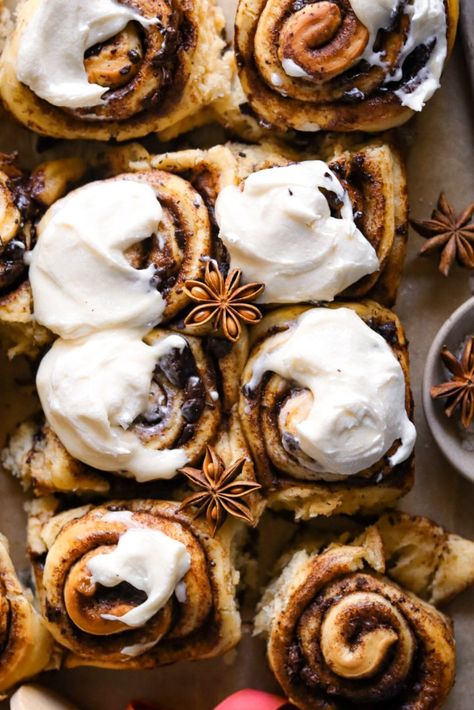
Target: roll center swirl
[
  {"x": 114, "y": 63},
  {"x": 322, "y": 40},
  {"x": 361, "y": 655},
  {"x": 86, "y": 604},
  {"x": 315, "y": 25}
]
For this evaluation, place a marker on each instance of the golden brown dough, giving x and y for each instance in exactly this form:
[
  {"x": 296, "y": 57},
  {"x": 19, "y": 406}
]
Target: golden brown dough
[
  {"x": 342, "y": 633},
  {"x": 278, "y": 468},
  {"x": 334, "y": 87},
  {"x": 25, "y": 642},
  {"x": 205, "y": 624},
  {"x": 425, "y": 558},
  {"x": 165, "y": 87}
]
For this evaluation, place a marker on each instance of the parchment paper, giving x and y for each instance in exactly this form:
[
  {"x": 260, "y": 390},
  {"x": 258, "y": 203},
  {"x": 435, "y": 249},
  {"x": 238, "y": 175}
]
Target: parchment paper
[{"x": 441, "y": 157}]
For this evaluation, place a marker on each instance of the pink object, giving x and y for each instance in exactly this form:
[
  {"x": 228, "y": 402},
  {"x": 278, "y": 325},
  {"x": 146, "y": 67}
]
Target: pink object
[{"x": 252, "y": 700}]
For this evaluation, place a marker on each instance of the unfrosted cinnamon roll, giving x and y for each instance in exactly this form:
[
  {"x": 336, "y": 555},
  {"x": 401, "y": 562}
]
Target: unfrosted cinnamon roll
[
  {"x": 26, "y": 645},
  {"x": 134, "y": 584},
  {"x": 341, "y": 65},
  {"x": 342, "y": 634},
  {"x": 116, "y": 69},
  {"x": 326, "y": 406}
]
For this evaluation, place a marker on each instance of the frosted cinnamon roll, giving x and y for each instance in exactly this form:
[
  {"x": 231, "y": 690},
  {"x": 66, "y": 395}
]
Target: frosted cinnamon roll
[
  {"x": 325, "y": 406},
  {"x": 119, "y": 404},
  {"x": 341, "y": 65},
  {"x": 115, "y": 69},
  {"x": 315, "y": 227},
  {"x": 136, "y": 239},
  {"x": 119, "y": 411},
  {"x": 134, "y": 584},
  {"x": 312, "y": 230},
  {"x": 26, "y": 644},
  {"x": 159, "y": 235},
  {"x": 342, "y": 634}
]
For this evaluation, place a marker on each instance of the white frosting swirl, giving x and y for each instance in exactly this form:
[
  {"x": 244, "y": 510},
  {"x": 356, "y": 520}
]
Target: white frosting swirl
[
  {"x": 53, "y": 42},
  {"x": 357, "y": 385},
  {"x": 150, "y": 561},
  {"x": 428, "y": 28},
  {"x": 278, "y": 229},
  {"x": 93, "y": 389},
  {"x": 80, "y": 277}
]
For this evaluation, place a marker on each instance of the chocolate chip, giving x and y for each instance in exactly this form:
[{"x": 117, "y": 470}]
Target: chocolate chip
[
  {"x": 177, "y": 366},
  {"x": 134, "y": 56}
]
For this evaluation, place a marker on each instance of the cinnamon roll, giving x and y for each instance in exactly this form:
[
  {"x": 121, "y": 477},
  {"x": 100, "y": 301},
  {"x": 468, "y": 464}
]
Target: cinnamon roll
[
  {"x": 342, "y": 634},
  {"x": 134, "y": 584},
  {"x": 339, "y": 65},
  {"x": 170, "y": 245},
  {"x": 139, "y": 236},
  {"x": 353, "y": 243},
  {"x": 325, "y": 407},
  {"x": 121, "y": 412},
  {"x": 116, "y": 69},
  {"x": 26, "y": 645}
]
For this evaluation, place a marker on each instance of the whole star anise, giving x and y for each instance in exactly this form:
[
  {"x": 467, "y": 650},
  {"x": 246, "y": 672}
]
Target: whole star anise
[
  {"x": 451, "y": 234},
  {"x": 459, "y": 390},
  {"x": 220, "y": 494},
  {"x": 223, "y": 302}
]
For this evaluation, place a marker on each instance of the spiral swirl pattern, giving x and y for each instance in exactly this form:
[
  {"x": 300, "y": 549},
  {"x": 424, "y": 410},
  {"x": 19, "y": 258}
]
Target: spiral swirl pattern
[
  {"x": 310, "y": 66},
  {"x": 347, "y": 636},
  {"x": 74, "y": 605}
]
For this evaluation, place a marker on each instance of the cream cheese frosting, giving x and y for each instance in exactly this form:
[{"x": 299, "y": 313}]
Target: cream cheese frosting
[
  {"x": 428, "y": 28},
  {"x": 356, "y": 386},
  {"x": 148, "y": 560},
  {"x": 278, "y": 228},
  {"x": 291, "y": 68},
  {"x": 50, "y": 57},
  {"x": 93, "y": 389},
  {"x": 80, "y": 277}
]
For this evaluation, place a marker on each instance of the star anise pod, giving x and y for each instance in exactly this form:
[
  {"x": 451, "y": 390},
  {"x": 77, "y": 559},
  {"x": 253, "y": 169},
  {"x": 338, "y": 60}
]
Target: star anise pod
[
  {"x": 223, "y": 302},
  {"x": 220, "y": 493},
  {"x": 449, "y": 233},
  {"x": 459, "y": 390}
]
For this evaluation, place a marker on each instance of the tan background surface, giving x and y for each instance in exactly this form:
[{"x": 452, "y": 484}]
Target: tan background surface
[{"x": 441, "y": 157}]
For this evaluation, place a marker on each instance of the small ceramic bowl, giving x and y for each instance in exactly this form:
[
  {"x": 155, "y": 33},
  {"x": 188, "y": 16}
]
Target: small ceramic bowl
[{"x": 447, "y": 431}]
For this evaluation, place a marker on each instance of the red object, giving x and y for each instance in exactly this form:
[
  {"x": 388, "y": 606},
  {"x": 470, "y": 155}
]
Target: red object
[{"x": 252, "y": 700}]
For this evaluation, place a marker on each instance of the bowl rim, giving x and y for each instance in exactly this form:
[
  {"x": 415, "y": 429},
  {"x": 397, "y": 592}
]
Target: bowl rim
[{"x": 436, "y": 420}]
